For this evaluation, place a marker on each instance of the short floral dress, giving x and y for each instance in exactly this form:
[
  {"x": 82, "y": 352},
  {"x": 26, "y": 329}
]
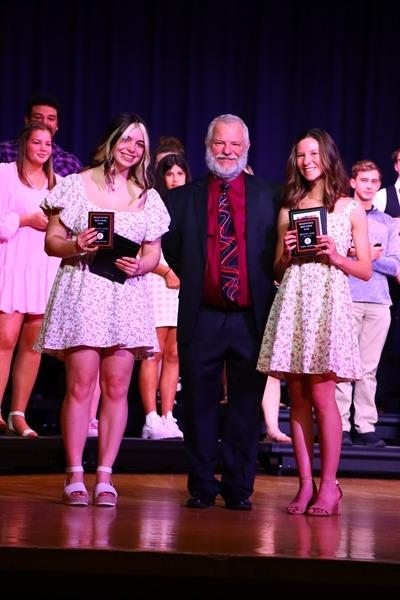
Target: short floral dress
[
  {"x": 85, "y": 309},
  {"x": 310, "y": 327}
]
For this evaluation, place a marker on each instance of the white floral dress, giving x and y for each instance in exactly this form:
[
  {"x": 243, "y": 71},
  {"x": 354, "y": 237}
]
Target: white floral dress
[
  {"x": 165, "y": 300},
  {"x": 85, "y": 309},
  {"x": 310, "y": 327}
]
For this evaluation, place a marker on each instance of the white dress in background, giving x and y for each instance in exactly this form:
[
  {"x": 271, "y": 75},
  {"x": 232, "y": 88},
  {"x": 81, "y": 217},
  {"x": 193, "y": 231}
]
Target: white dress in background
[{"x": 165, "y": 300}]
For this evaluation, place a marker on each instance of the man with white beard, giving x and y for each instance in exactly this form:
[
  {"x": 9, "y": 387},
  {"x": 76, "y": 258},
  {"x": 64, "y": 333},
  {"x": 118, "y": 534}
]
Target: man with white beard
[{"x": 221, "y": 244}]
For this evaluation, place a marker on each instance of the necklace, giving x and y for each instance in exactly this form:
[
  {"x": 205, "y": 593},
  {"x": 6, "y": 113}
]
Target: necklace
[{"x": 37, "y": 181}]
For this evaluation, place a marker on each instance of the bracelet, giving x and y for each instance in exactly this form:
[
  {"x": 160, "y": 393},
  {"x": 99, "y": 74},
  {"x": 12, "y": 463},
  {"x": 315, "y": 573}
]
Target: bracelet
[
  {"x": 165, "y": 274},
  {"x": 78, "y": 250}
]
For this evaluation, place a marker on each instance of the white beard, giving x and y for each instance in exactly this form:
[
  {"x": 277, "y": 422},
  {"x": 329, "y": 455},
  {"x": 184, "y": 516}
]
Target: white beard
[{"x": 238, "y": 165}]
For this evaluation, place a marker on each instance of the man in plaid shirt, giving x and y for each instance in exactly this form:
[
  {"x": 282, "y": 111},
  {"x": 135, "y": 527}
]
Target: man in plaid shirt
[{"x": 43, "y": 108}]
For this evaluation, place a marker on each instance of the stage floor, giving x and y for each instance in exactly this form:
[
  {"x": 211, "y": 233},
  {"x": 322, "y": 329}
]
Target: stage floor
[{"x": 151, "y": 540}]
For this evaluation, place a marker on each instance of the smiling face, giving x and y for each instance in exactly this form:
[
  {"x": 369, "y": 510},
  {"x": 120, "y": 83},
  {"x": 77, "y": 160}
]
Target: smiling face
[
  {"x": 39, "y": 146},
  {"x": 227, "y": 150},
  {"x": 308, "y": 159},
  {"x": 130, "y": 148}
]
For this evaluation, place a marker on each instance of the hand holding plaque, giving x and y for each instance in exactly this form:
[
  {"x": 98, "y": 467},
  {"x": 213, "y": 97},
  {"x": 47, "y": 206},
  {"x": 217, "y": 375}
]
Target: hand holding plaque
[
  {"x": 103, "y": 262},
  {"x": 308, "y": 224},
  {"x": 104, "y": 223}
]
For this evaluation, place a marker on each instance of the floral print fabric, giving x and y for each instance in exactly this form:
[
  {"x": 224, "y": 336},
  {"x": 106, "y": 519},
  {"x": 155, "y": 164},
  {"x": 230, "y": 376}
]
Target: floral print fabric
[{"x": 310, "y": 327}]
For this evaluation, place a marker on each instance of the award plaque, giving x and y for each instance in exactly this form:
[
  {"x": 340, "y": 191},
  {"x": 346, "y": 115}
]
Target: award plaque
[
  {"x": 104, "y": 223},
  {"x": 308, "y": 223}
]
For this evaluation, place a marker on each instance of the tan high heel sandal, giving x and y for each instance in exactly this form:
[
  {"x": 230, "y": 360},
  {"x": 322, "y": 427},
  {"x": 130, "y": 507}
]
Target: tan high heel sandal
[
  {"x": 332, "y": 508},
  {"x": 300, "y": 508}
]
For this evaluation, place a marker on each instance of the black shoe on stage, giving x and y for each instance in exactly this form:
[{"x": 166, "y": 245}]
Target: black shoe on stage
[
  {"x": 238, "y": 504},
  {"x": 346, "y": 439},
  {"x": 197, "y": 502},
  {"x": 368, "y": 439}
]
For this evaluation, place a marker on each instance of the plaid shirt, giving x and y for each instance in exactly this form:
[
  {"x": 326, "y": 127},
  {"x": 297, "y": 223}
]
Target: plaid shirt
[{"x": 64, "y": 163}]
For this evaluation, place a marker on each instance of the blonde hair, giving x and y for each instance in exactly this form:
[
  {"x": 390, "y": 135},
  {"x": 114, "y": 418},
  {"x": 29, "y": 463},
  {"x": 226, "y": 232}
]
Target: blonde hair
[{"x": 104, "y": 153}]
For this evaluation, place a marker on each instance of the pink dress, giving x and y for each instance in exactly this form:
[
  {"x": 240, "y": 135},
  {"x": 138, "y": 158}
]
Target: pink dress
[{"x": 26, "y": 272}]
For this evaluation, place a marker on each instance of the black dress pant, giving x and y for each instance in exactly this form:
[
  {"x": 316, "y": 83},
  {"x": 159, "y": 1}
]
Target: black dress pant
[{"x": 222, "y": 337}]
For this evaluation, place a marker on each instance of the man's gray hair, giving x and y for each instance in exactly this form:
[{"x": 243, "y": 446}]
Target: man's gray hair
[{"x": 228, "y": 118}]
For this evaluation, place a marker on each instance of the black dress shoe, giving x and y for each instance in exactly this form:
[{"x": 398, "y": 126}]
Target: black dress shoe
[
  {"x": 197, "y": 502},
  {"x": 238, "y": 504},
  {"x": 346, "y": 439},
  {"x": 368, "y": 439}
]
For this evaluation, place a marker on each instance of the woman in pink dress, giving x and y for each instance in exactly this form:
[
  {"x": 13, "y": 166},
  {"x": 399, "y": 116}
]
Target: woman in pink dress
[{"x": 26, "y": 272}]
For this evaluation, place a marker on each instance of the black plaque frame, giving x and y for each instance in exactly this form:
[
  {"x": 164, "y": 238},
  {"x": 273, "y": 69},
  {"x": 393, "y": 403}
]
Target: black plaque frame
[
  {"x": 103, "y": 221},
  {"x": 308, "y": 223}
]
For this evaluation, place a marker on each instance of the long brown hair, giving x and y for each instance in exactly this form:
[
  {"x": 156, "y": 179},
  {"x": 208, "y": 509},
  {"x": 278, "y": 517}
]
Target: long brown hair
[
  {"x": 24, "y": 137},
  {"x": 336, "y": 181}
]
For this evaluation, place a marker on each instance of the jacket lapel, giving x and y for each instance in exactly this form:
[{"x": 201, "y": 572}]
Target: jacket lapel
[{"x": 201, "y": 211}]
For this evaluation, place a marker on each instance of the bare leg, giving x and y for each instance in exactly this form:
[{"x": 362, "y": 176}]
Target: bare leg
[
  {"x": 330, "y": 440},
  {"x": 95, "y": 400},
  {"x": 169, "y": 371},
  {"x": 148, "y": 384},
  {"x": 82, "y": 367},
  {"x": 25, "y": 369},
  {"x": 168, "y": 382},
  {"x": 115, "y": 377},
  {"x": 149, "y": 375},
  {"x": 93, "y": 430},
  {"x": 270, "y": 406},
  {"x": 301, "y": 422},
  {"x": 10, "y": 327}
]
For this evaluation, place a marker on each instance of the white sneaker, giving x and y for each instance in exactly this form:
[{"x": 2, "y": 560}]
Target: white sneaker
[
  {"x": 171, "y": 427},
  {"x": 154, "y": 427},
  {"x": 93, "y": 430}
]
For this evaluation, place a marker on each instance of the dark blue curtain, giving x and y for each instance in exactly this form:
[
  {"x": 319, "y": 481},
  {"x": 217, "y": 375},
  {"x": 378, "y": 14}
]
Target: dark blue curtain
[{"x": 283, "y": 68}]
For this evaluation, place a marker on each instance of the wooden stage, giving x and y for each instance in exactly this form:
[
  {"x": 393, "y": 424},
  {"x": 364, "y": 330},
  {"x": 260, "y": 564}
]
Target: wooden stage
[{"x": 151, "y": 545}]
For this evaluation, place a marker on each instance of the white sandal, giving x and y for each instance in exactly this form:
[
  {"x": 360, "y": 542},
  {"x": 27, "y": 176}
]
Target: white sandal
[
  {"x": 27, "y": 433},
  {"x": 75, "y": 494},
  {"x": 105, "y": 488},
  {"x": 3, "y": 424}
]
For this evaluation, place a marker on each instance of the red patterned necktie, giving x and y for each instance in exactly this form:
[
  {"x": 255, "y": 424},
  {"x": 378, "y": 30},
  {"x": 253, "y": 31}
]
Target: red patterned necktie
[{"x": 228, "y": 247}]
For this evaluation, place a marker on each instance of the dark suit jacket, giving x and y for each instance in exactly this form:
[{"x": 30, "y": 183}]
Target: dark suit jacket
[{"x": 185, "y": 247}]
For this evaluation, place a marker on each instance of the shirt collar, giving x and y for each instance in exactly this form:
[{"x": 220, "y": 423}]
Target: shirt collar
[{"x": 236, "y": 184}]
